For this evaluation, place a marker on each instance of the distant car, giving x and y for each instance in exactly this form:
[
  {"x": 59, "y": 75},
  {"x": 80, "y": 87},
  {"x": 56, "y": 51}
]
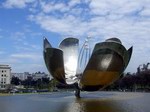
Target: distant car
[
  {"x": 55, "y": 90},
  {"x": 14, "y": 91},
  {"x": 34, "y": 91}
]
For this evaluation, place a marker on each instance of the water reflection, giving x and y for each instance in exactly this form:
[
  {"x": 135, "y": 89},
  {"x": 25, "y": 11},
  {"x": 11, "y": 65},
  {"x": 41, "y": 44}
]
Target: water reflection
[
  {"x": 66, "y": 102},
  {"x": 102, "y": 105}
]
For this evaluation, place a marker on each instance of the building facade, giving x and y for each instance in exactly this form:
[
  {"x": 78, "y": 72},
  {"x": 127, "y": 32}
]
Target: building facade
[
  {"x": 21, "y": 76},
  {"x": 34, "y": 76},
  {"x": 5, "y": 76},
  {"x": 40, "y": 75}
]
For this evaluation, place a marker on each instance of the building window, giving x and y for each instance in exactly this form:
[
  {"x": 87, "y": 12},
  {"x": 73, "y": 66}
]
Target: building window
[
  {"x": 2, "y": 75},
  {"x": 2, "y": 86},
  {"x": 2, "y": 71}
]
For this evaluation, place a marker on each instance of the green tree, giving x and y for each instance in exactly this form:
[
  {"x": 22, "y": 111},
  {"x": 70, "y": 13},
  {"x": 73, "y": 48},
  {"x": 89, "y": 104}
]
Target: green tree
[{"x": 15, "y": 80}]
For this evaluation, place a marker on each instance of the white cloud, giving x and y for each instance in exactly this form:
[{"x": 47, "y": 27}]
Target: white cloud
[
  {"x": 18, "y": 35},
  {"x": 100, "y": 19},
  {"x": 50, "y": 6},
  {"x": 104, "y": 7},
  {"x": 64, "y": 25},
  {"x": 27, "y": 62},
  {"x": 26, "y": 67},
  {"x": 145, "y": 11},
  {"x": 17, "y": 3},
  {"x": 105, "y": 19},
  {"x": 20, "y": 40},
  {"x": 21, "y": 56},
  {"x": 27, "y": 56},
  {"x": 24, "y": 62},
  {"x": 74, "y": 2}
]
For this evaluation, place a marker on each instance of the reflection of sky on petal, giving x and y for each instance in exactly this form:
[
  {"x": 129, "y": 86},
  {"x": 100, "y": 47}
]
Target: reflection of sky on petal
[
  {"x": 70, "y": 54},
  {"x": 106, "y": 61},
  {"x": 71, "y": 65}
]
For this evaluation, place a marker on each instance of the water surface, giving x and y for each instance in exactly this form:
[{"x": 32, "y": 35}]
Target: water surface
[{"x": 66, "y": 102}]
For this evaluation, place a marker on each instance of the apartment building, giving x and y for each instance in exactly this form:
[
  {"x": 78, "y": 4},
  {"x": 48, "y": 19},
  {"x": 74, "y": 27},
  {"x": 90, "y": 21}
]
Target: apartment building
[{"x": 5, "y": 72}]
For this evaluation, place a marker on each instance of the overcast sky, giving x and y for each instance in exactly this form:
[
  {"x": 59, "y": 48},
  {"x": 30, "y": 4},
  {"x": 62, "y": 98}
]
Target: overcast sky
[{"x": 23, "y": 23}]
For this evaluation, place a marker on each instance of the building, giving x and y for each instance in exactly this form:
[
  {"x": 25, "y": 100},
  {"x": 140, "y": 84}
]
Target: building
[
  {"x": 21, "y": 76},
  {"x": 5, "y": 72},
  {"x": 34, "y": 76},
  {"x": 40, "y": 75}
]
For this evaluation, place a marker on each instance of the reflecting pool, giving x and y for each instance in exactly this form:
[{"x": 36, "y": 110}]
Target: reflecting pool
[{"x": 66, "y": 102}]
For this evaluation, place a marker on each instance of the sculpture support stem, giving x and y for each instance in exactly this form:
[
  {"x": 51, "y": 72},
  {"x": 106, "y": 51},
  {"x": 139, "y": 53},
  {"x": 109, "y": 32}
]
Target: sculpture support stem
[{"x": 77, "y": 90}]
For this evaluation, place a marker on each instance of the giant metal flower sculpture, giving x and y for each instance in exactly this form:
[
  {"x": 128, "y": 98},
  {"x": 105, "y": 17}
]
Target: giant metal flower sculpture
[{"x": 90, "y": 72}]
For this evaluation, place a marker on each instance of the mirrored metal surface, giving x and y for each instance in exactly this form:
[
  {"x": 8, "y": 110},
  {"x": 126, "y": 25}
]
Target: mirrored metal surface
[
  {"x": 54, "y": 61},
  {"x": 70, "y": 47},
  {"x": 46, "y": 44},
  {"x": 84, "y": 56},
  {"x": 109, "y": 59},
  {"x": 127, "y": 56}
]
